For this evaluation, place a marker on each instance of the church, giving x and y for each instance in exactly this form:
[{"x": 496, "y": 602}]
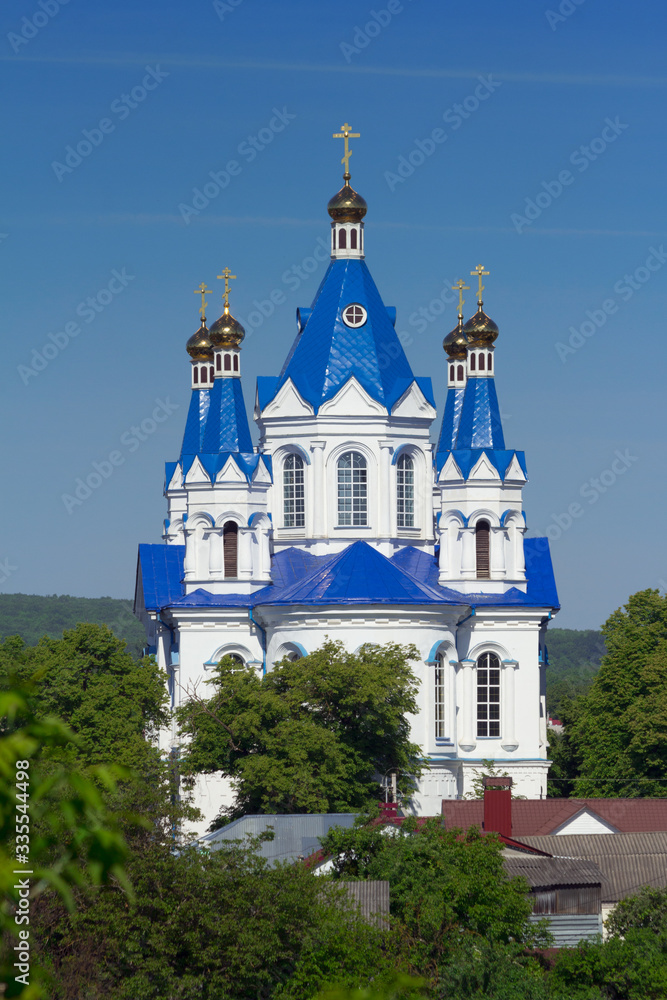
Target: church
[{"x": 347, "y": 521}]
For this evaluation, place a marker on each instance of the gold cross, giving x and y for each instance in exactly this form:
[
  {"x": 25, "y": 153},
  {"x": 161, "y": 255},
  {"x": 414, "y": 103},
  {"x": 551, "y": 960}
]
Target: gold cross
[
  {"x": 346, "y": 135},
  {"x": 203, "y": 291},
  {"x": 461, "y": 287},
  {"x": 479, "y": 271},
  {"x": 226, "y": 276}
]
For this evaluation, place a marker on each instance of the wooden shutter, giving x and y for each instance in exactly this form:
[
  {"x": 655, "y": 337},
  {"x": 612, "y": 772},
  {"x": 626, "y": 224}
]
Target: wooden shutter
[
  {"x": 230, "y": 548},
  {"x": 482, "y": 532}
]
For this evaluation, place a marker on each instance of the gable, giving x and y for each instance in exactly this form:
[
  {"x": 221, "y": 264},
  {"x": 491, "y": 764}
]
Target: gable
[
  {"x": 483, "y": 470},
  {"x": 288, "y": 403},
  {"x": 413, "y": 403},
  {"x": 585, "y": 821},
  {"x": 351, "y": 401},
  {"x": 450, "y": 472}
]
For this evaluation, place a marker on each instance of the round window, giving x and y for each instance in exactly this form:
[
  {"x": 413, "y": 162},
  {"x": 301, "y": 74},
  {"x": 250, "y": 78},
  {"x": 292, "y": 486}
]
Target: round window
[{"x": 354, "y": 315}]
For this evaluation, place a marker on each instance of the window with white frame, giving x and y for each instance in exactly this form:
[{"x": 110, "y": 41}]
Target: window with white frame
[
  {"x": 439, "y": 702},
  {"x": 294, "y": 508},
  {"x": 405, "y": 492},
  {"x": 488, "y": 695},
  {"x": 352, "y": 490}
]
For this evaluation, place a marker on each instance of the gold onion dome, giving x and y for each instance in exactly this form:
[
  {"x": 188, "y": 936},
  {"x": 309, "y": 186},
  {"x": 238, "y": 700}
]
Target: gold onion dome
[
  {"x": 227, "y": 331},
  {"x": 455, "y": 343},
  {"x": 199, "y": 346},
  {"x": 480, "y": 328},
  {"x": 347, "y": 205}
]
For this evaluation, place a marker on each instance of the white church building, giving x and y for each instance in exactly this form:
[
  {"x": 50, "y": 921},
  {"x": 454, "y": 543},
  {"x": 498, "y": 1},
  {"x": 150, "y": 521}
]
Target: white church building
[{"x": 346, "y": 521}]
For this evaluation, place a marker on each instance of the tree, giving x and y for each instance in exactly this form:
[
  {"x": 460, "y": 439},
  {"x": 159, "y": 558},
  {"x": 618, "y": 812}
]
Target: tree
[
  {"x": 633, "y": 968},
  {"x": 461, "y": 921},
  {"x": 312, "y": 735},
  {"x": 617, "y": 734},
  {"x": 646, "y": 909}
]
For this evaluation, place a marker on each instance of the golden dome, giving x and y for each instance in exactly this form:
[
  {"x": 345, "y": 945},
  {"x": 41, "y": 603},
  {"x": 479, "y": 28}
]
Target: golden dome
[
  {"x": 199, "y": 346},
  {"x": 347, "y": 205},
  {"x": 227, "y": 331},
  {"x": 480, "y": 329},
  {"x": 455, "y": 343}
]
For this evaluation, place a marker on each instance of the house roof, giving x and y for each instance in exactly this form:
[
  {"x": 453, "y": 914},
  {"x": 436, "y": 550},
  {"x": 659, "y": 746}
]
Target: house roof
[
  {"x": 295, "y": 835},
  {"x": 627, "y": 861},
  {"x": 549, "y": 873},
  {"x": 534, "y": 817}
]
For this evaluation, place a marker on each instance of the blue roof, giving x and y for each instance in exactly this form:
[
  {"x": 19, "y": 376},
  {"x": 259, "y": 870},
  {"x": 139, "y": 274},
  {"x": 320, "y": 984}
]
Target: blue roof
[
  {"x": 480, "y": 425},
  {"x": 451, "y": 420},
  {"x": 467, "y": 459},
  {"x": 193, "y": 438},
  {"x": 357, "y": 575},
  {"x": 327, "y": 353},
  {"x": 227, "y": 421}
]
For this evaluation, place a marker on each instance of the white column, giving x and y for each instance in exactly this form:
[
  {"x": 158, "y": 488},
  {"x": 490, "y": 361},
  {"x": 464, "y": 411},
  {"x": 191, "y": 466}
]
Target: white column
[
  {"x": 385, "y": 499},
  {"x": 244, "y": 552},
  {"x": 189, "y": 559},
  {"x": 497, "y": 541},
  {"x": 264, "y": 554},
  {"x": 468, "y": 554},
  {"x": 468, "y": 740},
  {"x": 508, "y": 705},
  {"x": 519, "y": 557},
  {"x": 318, "y": 489},
  {"x": 450, "y": 707},
  {"x": 215, "y": 564},
  {"x": 443, "y": 558}
]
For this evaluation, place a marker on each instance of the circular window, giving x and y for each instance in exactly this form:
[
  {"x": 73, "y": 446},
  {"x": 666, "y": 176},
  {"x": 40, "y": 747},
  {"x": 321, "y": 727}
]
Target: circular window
[{"x": 354, "y": 315}]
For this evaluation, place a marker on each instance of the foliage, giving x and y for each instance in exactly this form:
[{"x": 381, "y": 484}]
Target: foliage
[
  {"x": 633, "y": 968},
  {"x": 617, "y": 734},
  {"x": 488, "y": 770},
  {"x": 311, "y": 735},
  {"x": 212, "y": 925},
  {"x": 574, "y": 660},
  {"x": 462, "y": 922},
  {"x": 647, "y": 908},
  {"x": 74, "y": 840},
  {"x": 31, "y": 617}
]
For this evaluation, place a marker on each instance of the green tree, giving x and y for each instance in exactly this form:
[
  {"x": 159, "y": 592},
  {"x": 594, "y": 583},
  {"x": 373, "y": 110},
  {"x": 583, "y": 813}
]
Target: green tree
[
  {"x": 646, "y": 909},
  {"x": 633, "y": 968},
  {"x": 311, "y": 735},
  {"x": 617, "y": 734}
]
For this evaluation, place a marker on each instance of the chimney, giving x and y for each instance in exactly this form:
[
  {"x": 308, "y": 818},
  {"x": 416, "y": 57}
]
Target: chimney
[{"x": 498, "y": 806}]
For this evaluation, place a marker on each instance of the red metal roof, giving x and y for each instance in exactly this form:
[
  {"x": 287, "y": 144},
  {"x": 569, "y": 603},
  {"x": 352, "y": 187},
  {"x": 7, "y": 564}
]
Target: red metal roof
[{"x": 540, "y": 817}]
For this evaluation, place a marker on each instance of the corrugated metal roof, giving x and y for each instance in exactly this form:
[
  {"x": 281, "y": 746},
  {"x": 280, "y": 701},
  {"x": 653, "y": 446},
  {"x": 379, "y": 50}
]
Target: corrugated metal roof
[
  {"x": 548, "y": 873},
  {"x": 295, "y": 836},
  {"x": 569, "y": 929},
  {"x": 627, "y": 861},
  {"x": 372, "y": 898}
]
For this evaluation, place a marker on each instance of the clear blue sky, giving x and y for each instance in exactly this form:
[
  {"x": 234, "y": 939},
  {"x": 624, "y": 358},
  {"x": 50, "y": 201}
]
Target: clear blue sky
[{"x": 219, "y": 73}]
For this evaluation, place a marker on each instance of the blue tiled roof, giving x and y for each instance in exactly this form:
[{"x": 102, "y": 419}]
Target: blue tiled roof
[
  {"x": 161, "y": 571},
  {"x": 227, "y": 421},
  {"x": 193, "y": 438},
  {"x": 480, "y": 425},
  {"x": 467, "y": 459},
  {"x": 327, "y": 353},
  {"x": 450, "y": 420},
  {"x": 358, "y": 575}
]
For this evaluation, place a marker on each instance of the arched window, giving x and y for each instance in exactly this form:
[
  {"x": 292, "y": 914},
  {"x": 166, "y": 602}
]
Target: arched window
[
  {"x": 352, "y": 489},
  {"x": 236, "y": 362},
  {"x": 490, "y": 362},
  {"x": 353, "y": 239},
  {"x": 210, "y": 374},
  {"x": 405, "y": 492},
  {"x": 439, "y": 698},
  {"x": 294, "y": 508},
  {"x": 472, "y": 362},
  {"x": 218, "y": 363},
  {"x": 342, "y": 239},
  {"x": 482, "y": 533},
  {"x": 230, "y": 531},
  {"x": 451, "y": 373},
  {"x": 228, "y": 362},
  {"x": 459, "y": 373},
  {"x": 488, "y": 695},
  {"x": 481, "y": 362},
  {"x": 196, "y": 375}
]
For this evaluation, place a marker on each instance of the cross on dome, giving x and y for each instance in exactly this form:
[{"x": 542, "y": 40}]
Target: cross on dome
[
  {"x": 226, "y": 276},
  {"x": 346, "y": 134},
  {"x": 461, "y": 287},
  {"x": 479, "y": 271},
  {"x": 203, "y": 291}
]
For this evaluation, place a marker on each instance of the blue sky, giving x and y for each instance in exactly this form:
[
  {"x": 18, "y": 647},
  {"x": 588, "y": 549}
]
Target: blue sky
[{"x": 560, "y": 117}]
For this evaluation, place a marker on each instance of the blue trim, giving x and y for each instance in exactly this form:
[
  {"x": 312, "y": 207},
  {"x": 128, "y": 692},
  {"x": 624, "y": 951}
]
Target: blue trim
[
  {"x": 434, "y": 649},
  {"x": 302, "y": 317}
]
